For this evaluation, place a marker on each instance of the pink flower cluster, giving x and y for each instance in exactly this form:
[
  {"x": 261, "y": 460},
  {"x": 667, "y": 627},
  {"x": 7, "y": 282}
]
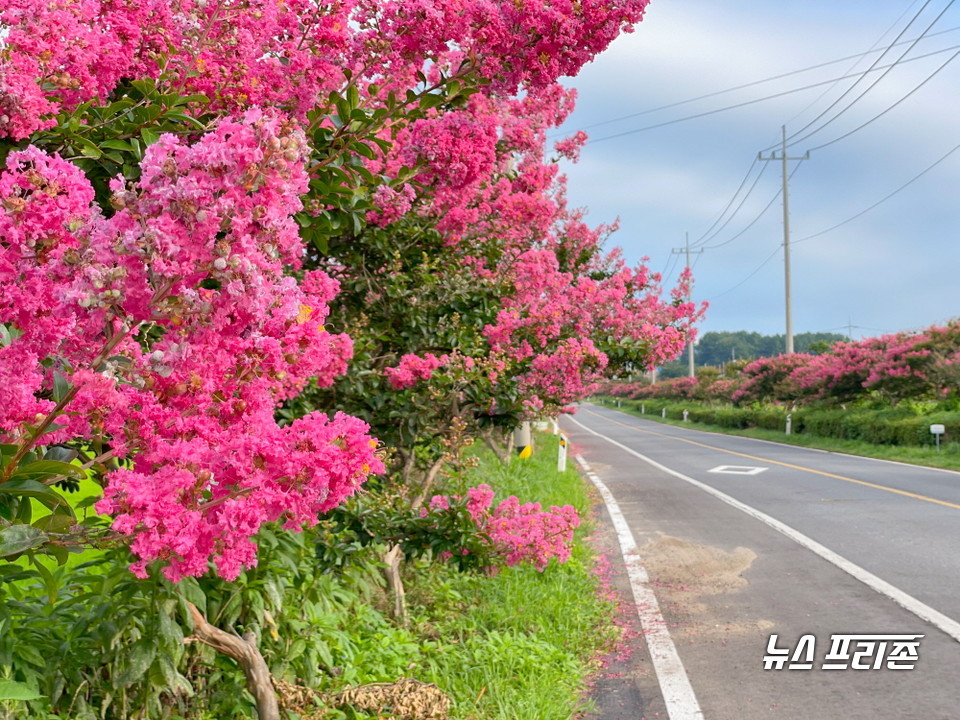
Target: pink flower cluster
[
  {"x": 178, "y": 330},
  {"x": 520, "y": 532},
  {"x": 412, "y": 369},
  {"x": 289, "y": 55}
]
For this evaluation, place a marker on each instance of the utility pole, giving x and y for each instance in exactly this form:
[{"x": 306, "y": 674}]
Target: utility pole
[
  {"x": 686, "y": 250},
  {"x": 786, "y": 230}
]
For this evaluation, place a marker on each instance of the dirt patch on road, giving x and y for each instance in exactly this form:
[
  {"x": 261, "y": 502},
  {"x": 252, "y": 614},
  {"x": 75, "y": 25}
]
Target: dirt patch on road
[
  {"x": 699, "y": 569},
  {"x": 687, "y": 578}
]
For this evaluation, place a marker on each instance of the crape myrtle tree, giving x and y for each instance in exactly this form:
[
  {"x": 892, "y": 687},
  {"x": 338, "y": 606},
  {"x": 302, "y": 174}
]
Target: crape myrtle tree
[
  {"x": 163, "y": 162},
  {"x": 187, "y": 187},
  {"x": 485, "y": 302}
]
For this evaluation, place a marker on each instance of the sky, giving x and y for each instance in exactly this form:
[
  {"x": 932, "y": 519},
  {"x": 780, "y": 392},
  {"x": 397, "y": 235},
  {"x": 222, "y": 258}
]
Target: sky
[{"x": 897, "y": 267}]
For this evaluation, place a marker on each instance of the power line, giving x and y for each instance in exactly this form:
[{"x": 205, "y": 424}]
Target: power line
[
  {"x": 861, "y": 95},
  {"x": 724, "y": 211},
  {"x": 739, "y": 207},
  {"x": 754, "y": 83},
  {"x": 757, "y": 218},
  {"x": 873, "y": 65},
  {"x": 880, "y": 115},
  {"x": 859, "y": 58},
  {"x": 758, "y": 269},
  {"x": 882, "y": 200},
  {"x": 762, "y": 99},
  {"x": 668, "y": 268}
]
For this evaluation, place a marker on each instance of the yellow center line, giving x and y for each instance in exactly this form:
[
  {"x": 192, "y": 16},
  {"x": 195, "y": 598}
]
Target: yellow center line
[{"x": 875, "y": 486}]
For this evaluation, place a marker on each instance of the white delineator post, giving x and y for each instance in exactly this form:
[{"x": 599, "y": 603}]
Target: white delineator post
[
  {"x": 938, "y": 430},
  {"x": 523, "y": 441},
  {"x": 562, "y": 454}
]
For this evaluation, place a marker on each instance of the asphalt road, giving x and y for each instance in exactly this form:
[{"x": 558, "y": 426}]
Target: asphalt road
[{"x": 742, "y": 538}]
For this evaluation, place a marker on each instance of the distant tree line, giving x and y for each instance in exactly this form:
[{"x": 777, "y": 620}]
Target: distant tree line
[{"x": 716, "y": 348}]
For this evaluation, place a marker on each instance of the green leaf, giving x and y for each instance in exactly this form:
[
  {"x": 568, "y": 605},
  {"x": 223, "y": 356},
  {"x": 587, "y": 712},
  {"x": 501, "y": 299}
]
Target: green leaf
[
  {"x": 13, "y": 690},
  {"x": 184, "y": 118},
  {"x": 149, "y": 136},
  {"x": 43, "y": 469},
  {"x": 87, "y": 502},
  {"x": 60, "y": 386},
  {"x": 145, "y": 87},
  {"x": 8, "y": 335},
  {"x": 20, "y": 538},
  {"x": 138, "y": 661},
  {"x": 55, "y": 523},
  {"x": 353, "y": 96},
  {"x": 364, "y": 150},
  {"x": 190, "y": 590},
  {"x": 86, "y": 148},
  {"x": 58, "y": 552},
  {"x": 26, "y": 487},
  {"x": 116, "y": 145},
  {"x": 343, "y": 110},
  {"x": 60, "y": 453},
  {"x": 49, "y": 581}
]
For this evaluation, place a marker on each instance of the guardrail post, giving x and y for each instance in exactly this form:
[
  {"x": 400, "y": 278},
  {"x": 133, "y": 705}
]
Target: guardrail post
[{"x": 523, "y": 441}]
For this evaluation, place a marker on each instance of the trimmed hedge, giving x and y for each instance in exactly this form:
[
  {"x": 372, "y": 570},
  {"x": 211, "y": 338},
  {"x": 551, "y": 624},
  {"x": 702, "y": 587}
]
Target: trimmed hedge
[{"x": 877, "y": 427}]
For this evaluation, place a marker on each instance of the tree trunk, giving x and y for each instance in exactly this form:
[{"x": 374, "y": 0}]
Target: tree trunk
[
  {"x": 393, "y": 558},
  {"x": 244, "y": 651},
  {"x": 502, "y": 453},
  {"x": 427, "y": 484}
]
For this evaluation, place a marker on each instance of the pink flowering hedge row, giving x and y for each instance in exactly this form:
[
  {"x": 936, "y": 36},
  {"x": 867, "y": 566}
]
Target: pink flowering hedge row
[{"x": 923, "y": 366}]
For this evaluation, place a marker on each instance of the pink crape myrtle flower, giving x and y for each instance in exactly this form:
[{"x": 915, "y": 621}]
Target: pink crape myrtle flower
[
  {"x": 412, "y": 369},
  {"x": 520, "y": 532},
  {"x": 178, "y": 331}
]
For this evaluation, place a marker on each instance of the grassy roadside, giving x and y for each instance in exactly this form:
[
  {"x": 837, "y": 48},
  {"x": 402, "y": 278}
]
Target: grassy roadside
[
  {"x": 948, "y": 458},
  {"x": 516, "y": 644},
  {"x": 519, "y": 644}
]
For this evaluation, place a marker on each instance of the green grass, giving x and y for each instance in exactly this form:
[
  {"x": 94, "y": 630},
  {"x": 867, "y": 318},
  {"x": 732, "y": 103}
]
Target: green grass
[
  {"x": 518, "y": 644},
  {"x": 948, "y": 457}
]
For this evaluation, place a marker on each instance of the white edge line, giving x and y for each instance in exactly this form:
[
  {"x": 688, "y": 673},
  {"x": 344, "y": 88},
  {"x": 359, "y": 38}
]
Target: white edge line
[
  {"x": 678, "y": 696},
  {"x": 789, "y": 445},
  {"x": 908, "y": 602}
]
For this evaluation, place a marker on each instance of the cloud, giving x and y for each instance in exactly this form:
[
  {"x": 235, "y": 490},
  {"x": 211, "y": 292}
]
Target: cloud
[{"x": 889, "y": 269}]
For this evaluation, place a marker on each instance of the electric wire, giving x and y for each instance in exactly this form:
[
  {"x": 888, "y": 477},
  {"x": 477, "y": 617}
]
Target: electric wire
[
  {"x": 879, "y": 202},
  {"x": 668, "y": 268},
  {"x": 754, "y": 83},
  {"x": 748, "y": 277},
  {"x": 758, "y": 100},
  {"x": 760, "y": 215},
  {"x": 793, "y": 140},
  {"x": 734, "y": 214},
  {"x": 732, "y": 199},
  {"x": 880, "y": 115},
  {"x": 856, "y": 62},
  {"x": 873, "y": 65}
]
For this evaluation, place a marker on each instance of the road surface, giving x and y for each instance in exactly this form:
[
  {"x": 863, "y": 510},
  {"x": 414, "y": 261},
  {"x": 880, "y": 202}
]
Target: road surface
[{"x": 738, "y": 539}]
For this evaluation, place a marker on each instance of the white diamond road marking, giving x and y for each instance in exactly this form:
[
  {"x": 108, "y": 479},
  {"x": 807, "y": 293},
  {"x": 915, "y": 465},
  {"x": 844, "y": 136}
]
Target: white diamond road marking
[{"x": 737, "y": 470}]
